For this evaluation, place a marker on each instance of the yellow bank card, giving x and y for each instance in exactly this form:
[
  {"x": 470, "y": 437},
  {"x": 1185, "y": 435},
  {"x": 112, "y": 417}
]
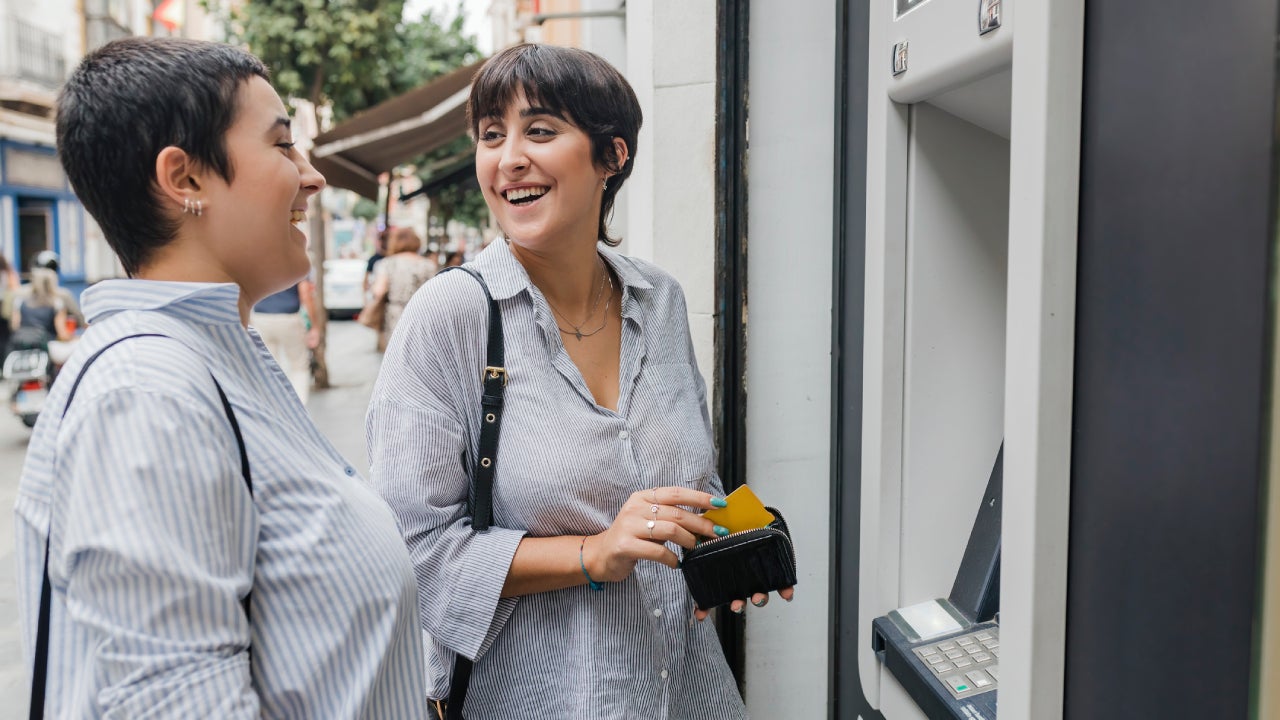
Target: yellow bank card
[{"x": 744, "y": 512}]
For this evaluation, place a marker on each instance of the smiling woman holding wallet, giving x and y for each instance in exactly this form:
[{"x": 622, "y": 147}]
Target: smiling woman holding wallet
[{"x": 590, "y": 425}]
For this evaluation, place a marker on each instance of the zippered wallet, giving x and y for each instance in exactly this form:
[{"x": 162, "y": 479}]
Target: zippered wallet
[{"x": 737, "y": 566}]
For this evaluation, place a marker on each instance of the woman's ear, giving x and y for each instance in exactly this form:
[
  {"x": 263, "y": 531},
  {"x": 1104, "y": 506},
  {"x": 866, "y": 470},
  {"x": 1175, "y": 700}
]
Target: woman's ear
[
  {"x": 620, "y": 156},
  {"x": 177, "y": 177}
]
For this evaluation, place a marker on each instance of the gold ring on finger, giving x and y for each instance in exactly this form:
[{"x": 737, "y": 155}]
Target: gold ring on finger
[{"x": 650, "y": 525}]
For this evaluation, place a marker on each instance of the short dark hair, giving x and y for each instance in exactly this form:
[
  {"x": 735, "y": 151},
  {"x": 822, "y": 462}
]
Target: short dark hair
[
  {"x": 582, "y": 86},
  {"x": 127, "y": 101}
]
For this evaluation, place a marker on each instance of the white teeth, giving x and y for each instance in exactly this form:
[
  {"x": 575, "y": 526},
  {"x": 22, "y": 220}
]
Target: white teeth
[
  {"x": 524, "y": 192},
  {"x": 297, "y": 216}
]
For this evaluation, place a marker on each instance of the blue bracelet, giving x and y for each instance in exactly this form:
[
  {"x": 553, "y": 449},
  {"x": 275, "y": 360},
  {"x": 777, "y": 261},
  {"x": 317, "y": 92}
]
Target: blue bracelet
[{"x": 592, "y": 583}]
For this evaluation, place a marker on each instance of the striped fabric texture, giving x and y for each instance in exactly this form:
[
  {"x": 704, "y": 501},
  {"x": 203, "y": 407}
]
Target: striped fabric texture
[
  {"x": 155, "y": 537},
  {"x": 564, "y": 467}
]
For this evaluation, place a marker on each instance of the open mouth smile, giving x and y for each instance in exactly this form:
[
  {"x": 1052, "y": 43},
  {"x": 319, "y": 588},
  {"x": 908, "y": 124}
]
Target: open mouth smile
[{"x": 525, "y": 195}]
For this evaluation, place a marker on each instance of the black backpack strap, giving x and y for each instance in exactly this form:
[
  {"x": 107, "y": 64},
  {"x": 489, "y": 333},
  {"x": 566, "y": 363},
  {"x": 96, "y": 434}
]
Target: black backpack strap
[
  {"x": 41, "y": 661},
  {"x": 495, "y": 381}
]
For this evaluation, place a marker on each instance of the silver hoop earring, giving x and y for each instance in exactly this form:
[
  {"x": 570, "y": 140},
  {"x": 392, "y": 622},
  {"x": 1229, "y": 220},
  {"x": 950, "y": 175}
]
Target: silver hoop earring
[
  {"x": 199, "y": 208},
  {"x": 604, "y": 184},
  {"x": 186, "y": 205}
]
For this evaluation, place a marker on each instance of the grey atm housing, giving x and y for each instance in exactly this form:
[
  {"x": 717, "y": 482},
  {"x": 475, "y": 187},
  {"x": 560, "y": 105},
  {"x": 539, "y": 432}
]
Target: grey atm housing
[{"x": 1065, "y": 243}]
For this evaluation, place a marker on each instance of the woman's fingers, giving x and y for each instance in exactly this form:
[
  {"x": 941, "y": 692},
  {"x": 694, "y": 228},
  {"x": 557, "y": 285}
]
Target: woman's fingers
[
  {"x": 692, "y": 523},
  {"x": 655, "y": 551},
  {"x": 674, "y": 495},
  {"x": 667, "y": 531},
  {"x": 737, "y": 606}
]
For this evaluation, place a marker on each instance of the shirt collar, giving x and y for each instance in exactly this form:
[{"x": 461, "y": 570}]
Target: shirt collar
[
  {"x": 213, "y": 303},
  {"x": 506, "y": 277}
]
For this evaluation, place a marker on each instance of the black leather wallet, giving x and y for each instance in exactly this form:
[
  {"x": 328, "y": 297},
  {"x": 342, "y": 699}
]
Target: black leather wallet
[{"x": 737, "y": 566}]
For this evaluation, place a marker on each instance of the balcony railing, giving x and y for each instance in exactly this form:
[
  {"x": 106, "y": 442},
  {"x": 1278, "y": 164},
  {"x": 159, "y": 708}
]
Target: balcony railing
[{"x": 36, "y": 55}]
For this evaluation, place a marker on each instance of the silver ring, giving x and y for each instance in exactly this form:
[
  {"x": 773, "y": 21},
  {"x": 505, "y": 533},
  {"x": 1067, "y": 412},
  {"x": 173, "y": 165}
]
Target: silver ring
[
  {"x": 650, "y": 525},
  {"x": 654, "y": 509},
  {"x": 653, "y": 496}
]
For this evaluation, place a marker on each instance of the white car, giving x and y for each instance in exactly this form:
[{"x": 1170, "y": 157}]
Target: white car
[{"x": 344, "y": 287}]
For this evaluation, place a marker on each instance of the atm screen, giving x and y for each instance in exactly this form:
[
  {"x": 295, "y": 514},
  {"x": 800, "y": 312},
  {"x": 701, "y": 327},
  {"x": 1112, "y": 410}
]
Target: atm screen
[{"x": 905, "y": 5}]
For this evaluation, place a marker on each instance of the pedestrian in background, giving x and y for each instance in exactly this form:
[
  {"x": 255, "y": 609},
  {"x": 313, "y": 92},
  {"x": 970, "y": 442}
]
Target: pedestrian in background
[
  {"x": 48, "y": 260},
  {"x": 398, "y": 276},
  {"x": 453, "y": 258},
  {"x": 379, "y": 252},
  {"x": 210, "y": 554},
  {"x": 8, "y": 289},
  {"x": 279, "y": 321},
  {"x": 570, "y": 605}
]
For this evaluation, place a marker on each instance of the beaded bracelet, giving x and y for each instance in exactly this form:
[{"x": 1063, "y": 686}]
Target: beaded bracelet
[{"x": 597, "y": 586}]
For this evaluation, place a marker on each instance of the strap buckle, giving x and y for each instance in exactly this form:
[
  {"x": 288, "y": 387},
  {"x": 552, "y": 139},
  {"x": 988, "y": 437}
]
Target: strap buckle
[{"x": 491, "y": 373}]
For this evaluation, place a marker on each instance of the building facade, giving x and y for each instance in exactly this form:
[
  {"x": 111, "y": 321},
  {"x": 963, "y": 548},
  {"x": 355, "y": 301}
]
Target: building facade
[{"x": 40, "y": 43}]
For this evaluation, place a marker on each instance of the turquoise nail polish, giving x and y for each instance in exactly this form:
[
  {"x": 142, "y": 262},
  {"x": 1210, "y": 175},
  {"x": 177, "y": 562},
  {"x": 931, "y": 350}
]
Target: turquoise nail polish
[
  {"x": 719, "y": 502},
  {"x": 721, "y": 531}
]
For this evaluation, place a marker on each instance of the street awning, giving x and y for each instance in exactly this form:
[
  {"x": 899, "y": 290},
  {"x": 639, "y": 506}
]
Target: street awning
[{"x": 353, "y": 154}]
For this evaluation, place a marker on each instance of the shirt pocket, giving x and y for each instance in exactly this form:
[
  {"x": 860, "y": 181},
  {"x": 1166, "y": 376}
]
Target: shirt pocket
[{"x": 671, "y": 426}]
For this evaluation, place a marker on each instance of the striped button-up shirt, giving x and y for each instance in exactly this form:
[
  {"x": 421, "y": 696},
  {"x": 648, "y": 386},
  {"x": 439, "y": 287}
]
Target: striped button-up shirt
[
  {"x": 564, "y": 466},
  {"x": 155, "y": 538}
]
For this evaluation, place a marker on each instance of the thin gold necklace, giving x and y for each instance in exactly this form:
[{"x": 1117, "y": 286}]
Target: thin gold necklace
[{"x": 577, "y": 328}]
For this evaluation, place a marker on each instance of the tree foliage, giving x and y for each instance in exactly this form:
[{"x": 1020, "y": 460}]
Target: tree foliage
[{"x": 346, "y": 54}]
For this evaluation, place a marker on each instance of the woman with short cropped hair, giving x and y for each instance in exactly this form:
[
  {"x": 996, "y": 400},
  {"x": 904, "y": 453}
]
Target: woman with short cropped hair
[{"x": 209, "y": 553}]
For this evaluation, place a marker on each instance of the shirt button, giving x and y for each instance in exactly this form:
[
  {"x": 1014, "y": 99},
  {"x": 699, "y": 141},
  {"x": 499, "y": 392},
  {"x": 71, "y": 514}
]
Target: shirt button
[
  {"x": 663, "y": 673},
  {"x": 657, "y": 612},
  {"x": 350, "y": 471},
  {"x": 624, "y": 435}
]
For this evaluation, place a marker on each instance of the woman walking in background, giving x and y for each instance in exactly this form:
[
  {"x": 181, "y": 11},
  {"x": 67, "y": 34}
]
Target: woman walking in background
[
  {"x": 398, "y": 277},
  {"x": 8, "y": 289},
  {"x": 41, "y": 313}
]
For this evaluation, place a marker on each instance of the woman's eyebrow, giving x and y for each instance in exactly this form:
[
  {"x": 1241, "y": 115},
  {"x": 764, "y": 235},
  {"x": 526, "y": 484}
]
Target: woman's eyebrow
[
  {"x": 281, "y": 121},
  {"x": 536, "y": 111}
]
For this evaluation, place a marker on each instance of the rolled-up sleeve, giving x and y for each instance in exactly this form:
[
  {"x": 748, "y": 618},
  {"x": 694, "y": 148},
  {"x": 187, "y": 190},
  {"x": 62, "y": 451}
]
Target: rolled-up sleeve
[
  {"x": 418, "y": 444},
  {"x": 156, "y": 551}
]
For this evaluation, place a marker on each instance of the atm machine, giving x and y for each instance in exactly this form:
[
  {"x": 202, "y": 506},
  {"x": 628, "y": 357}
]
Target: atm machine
[
  {"x": 973, "y": 112},
  {"x": 1058, "y": 302}
]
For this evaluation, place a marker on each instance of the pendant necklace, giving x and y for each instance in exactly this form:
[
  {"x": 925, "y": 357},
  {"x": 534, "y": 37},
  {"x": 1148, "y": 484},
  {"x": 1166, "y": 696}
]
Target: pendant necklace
[{"x": 577, "y": 327}]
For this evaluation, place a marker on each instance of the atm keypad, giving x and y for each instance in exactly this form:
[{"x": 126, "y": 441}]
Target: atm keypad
[{"x": 965, "y": 665}]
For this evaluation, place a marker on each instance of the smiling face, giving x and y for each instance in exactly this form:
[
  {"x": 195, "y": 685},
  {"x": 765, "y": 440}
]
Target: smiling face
[
  {"x": 252, "y": 222},
  {"x": 536, "y": 172}
]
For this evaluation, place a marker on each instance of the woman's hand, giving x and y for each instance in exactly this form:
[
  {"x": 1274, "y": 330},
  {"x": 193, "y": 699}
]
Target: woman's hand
[
  {"x": 737, "y": 606},
  {"x": 648, "y": 520}
]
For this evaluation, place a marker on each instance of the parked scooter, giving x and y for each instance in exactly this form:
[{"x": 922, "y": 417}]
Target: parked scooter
[{"x": 27, "y": 377}]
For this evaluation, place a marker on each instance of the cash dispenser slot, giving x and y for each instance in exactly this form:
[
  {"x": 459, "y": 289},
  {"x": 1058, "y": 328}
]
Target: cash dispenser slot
[{"x": 945, "y": 652}]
